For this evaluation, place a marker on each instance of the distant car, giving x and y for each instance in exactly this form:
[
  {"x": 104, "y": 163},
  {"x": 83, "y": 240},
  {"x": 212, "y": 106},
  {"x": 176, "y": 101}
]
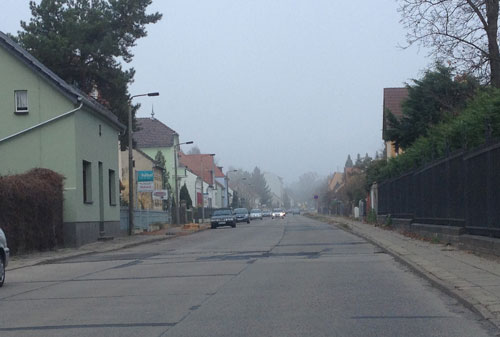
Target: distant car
[
  {"x": 223, "y": 217},
  {"x": 296, "y": 211},
  {"x": 4, "y": 256},
  {"x": 256, "y": 214},
  {"x": 278, "y": 213},
  {"x": 241, "y": 215},
  {"x": 267, "y": 213}
]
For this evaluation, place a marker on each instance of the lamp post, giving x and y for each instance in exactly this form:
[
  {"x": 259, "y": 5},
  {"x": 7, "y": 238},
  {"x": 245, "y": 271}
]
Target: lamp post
[
  {"x": 203, "y": 194},
  {"x": 131, "y": 163},
  {"x": 177, "y": 221}
]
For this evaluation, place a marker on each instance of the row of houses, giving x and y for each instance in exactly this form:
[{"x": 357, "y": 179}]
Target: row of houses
[
  {"x": 47, "y": 123},
  {"x": 206, "y": 183}
]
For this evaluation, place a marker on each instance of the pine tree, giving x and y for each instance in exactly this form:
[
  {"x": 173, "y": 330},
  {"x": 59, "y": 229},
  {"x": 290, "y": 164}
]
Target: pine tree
[
  {"x": 259, "y": 185},
  {"x": 348, "y": 162},
  {"x": 84, "y": 42},
  {"x": 436, "y": 97},
  {"x": 358, "y": 160},
  {"x": 184, "y": 195},
  {"x": 160, "y": 161}
]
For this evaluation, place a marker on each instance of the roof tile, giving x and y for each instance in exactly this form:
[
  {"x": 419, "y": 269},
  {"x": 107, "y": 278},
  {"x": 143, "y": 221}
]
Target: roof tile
[
  {"x": 153, "y": 133},
  {"x": 197, "y": 163}
]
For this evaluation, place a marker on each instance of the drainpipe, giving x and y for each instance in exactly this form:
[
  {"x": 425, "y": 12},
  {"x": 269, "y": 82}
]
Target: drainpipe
[{"x": 43, "y": 123}]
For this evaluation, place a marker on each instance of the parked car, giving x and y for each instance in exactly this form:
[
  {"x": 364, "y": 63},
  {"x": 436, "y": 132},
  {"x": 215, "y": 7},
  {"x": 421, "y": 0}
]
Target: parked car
[
  {"x": 242, "y": 215},
  {"x": 256, "y": 214},
  {"x": 278, "y": 213},
  {"x": 222, "y": 217},
  {"x": 267, "y": 213},
  {"x": 4, "y": 256}
]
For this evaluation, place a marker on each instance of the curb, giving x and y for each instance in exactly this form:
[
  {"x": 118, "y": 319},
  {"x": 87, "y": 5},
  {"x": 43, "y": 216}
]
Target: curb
[
  {"x": 56, "y": 259},
  {"x": 467, "y": 301}
]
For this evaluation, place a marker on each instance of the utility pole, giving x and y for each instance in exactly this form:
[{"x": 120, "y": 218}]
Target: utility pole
[{"x": 131, "y": 180}]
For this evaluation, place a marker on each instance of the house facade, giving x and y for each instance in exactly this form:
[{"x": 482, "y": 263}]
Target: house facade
[
  {"x": 142, "y": 162},
  {"x": 191, "y": 181},
  {"x": 203, "y": 166},
  {"x": 277, "y": 189},
  {"x": 393, "y": 100},
  {"x": 336, "y": 182},
  {"x": 44, "y": 122},
  {"x": 221, "y": 194},
  {"x": 152, "y": 136}
]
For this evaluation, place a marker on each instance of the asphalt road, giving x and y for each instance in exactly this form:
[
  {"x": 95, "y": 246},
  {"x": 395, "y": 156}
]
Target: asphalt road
[{"x": 291, "y": 277}]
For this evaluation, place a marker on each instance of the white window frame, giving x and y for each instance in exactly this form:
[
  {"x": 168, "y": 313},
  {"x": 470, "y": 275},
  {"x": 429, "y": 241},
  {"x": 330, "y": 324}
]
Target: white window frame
[{"x": 21, "y": 109}]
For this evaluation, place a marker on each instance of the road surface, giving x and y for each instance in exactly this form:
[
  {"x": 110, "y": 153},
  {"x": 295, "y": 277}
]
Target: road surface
[{"x": 281, "y": 277}]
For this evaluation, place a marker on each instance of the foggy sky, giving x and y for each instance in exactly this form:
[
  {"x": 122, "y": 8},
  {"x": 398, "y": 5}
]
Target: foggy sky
[{"x": 290, "y": 86}]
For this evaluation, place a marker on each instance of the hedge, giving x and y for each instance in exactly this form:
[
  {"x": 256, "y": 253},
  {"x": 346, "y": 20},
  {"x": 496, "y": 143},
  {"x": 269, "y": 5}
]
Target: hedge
[{"x": 31, "y": 207}]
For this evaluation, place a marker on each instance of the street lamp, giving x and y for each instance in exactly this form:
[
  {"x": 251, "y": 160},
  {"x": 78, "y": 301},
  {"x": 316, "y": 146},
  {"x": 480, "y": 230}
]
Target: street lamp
[
  {"x": 177, "y": 221},
  {"x": 203, "y": 194},
  {"x": 131, "y": 163}
]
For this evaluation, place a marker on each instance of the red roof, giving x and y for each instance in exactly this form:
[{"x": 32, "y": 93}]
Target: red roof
[
  {"x": 218, "y": 172},
  {"x": 393, "y": 99},
  {"x": 197, "y": 163}
]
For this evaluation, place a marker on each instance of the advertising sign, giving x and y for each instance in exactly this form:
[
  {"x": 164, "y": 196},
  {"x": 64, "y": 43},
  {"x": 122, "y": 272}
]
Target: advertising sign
[
  {"x": 145, "y": 176},
  {"x": 160, "y": 195},
  {"x": 145, "y": 186},
  {"x": 145, "y": 181}
]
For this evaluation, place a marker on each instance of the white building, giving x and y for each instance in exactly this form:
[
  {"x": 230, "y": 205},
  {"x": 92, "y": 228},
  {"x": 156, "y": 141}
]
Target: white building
[{"x": 277, "y": 188}]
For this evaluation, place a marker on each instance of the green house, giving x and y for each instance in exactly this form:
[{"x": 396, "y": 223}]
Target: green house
[
  {"x": 153, "y": 136},
  {"x": 44, "y": 122}
]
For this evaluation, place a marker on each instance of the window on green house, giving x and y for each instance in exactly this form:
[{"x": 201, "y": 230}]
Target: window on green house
[
  {"x": 87, "y": 182},
  {"x": 112, "y": 188},
  {"x": 21, "y": 101}
]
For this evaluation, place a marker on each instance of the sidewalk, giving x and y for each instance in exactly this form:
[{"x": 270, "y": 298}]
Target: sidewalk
[
  {"x": 37, "y": 258},
  {"x": 471, "y": 279}
]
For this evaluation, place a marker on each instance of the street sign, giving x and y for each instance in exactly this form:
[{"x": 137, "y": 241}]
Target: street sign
[{"x": 160, "y": 195}]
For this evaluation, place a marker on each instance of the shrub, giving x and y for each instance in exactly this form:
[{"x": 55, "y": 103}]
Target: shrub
[
  {"x": 470, "y": 129},
  {"x": 388, "y": 221},
  {"x": 31, "y": 206},
  {"x": 372, "y": 216}
]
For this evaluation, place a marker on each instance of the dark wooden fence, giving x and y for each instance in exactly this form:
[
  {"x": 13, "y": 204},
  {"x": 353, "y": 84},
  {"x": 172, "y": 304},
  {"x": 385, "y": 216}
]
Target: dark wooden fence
[{"x": 460, "y": 190}]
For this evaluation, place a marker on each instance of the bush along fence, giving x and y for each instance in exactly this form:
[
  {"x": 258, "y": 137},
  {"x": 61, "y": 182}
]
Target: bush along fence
[
  {"x": 461, "y": 190},
  {"x": 31, "y": 210}
]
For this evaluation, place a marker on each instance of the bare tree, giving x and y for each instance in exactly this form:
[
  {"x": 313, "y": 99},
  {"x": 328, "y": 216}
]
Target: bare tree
[{"x": 462, "y": 32}]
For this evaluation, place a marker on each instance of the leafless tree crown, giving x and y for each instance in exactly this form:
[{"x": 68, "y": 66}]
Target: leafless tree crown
[{"x": 463, "y": 33}]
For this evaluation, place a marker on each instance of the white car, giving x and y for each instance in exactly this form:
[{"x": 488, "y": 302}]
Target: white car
[
  {"x": 256, "y": 214},
  {"x": 4, "y": 256},
  {"x": 278, "y": 213}
]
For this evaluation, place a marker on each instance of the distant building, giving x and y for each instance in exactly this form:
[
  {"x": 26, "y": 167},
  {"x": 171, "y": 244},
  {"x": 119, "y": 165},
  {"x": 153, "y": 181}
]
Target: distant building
[
  {"x": 276, "y": 186},
  {"x": 336, "y": 182},
  {"x": 209, "y": 175},
  {"x": 142, "y": 162},
  {"x": 153, "y": 136},
  {"x": 393, "y": 99}
]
